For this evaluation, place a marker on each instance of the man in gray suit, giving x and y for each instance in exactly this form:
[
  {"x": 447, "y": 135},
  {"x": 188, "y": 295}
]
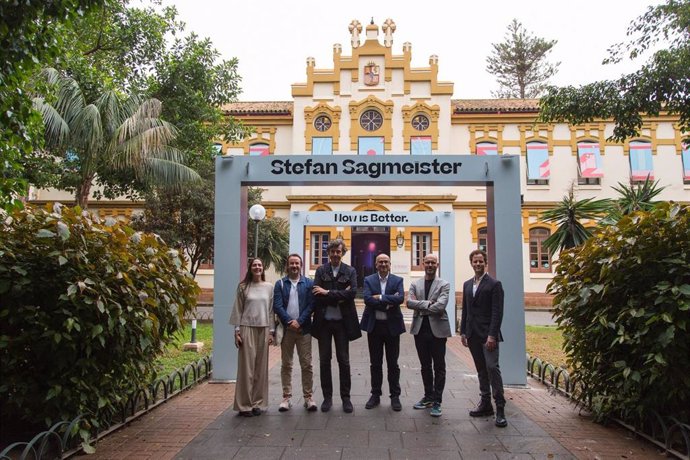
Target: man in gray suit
[
  {"x": 480, "y": 329},
  {"x": 428, "y": 298}
]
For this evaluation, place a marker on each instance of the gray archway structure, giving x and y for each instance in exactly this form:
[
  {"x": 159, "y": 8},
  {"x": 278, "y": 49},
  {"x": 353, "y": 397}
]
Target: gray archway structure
[{"x": 500, "y": 175}]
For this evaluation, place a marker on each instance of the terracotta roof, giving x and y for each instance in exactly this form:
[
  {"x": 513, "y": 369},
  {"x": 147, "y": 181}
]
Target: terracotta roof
[
  {"x": 494, "y": 105},
  {"x": 259, "y": 108},
  {"x": 459, "y": 106}
]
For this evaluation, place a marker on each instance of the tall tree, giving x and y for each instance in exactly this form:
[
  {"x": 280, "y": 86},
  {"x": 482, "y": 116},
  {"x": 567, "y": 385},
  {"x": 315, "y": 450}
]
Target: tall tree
[
  {"x": 183, "y": 217},
  {"x": 117, "y": 45},
  {"x": 110, "y": 133},
  {"x": 661, "y": 84},
  {"x": 520, "y": 63},
  {"x": 30, "y": 32},
  {"x": 195, "y": 84}
]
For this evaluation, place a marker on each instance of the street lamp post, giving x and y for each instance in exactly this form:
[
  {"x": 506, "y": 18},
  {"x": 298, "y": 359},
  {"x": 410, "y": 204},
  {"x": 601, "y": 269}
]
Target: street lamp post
[{"x": 257, "y": 213}]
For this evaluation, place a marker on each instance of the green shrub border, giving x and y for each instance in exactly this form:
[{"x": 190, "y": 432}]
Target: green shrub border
[
  {"x": 668, "y": 433},
  {"x": 63, "y": 439}
]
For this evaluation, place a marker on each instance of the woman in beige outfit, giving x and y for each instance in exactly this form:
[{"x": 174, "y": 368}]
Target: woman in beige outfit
[{"x": 252, "y": 316}]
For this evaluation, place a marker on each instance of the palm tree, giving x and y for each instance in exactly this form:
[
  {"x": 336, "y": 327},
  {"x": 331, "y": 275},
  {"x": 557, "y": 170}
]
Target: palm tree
[
  {"x": 568, "y": 215},
  {"x": 633, "y": 198},
  {"x": 112, "y": 133}
]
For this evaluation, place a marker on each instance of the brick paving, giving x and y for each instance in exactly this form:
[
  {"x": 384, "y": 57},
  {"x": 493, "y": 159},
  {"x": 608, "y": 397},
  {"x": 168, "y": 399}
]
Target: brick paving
[{"x": 200, "y": 423}]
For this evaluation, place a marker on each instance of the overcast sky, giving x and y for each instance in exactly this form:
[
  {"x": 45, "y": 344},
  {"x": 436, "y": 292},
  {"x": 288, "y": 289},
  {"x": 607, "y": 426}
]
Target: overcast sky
[{"x": 272, "y": 39}]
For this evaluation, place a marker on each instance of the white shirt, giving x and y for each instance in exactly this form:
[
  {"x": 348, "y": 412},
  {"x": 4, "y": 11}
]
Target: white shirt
[
  {"x": 476, "y": 283},
  {"x": 293, "y": 301}
]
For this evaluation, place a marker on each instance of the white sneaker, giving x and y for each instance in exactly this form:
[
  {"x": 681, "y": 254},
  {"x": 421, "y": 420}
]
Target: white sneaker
[
  {"x": 310, "y": 405},
  {"x": 285, "y": 405}
]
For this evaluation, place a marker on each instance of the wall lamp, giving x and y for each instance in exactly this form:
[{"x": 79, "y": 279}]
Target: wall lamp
[{"x": 400, "y": 239}]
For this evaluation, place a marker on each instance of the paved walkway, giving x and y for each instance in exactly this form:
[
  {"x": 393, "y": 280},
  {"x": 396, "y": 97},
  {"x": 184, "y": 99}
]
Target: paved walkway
[{"x": 200, "y": 424}]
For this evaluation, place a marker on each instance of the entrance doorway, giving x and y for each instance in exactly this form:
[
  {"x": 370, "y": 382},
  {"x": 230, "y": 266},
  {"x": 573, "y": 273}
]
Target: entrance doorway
[{"x": 367, "y": 243}]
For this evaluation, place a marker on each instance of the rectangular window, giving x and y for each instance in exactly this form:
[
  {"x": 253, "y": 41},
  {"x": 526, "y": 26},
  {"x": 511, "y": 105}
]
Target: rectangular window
[
  {"x": 483, "y": 240},
  {"x": 641, "y": 166},
  {"x": 487, "y": 148},
  {"x": 258, "y": 150},
  {"x": 539, "y": 257},
  {"x": 322, "y": 146},
  {"x": 538, "y": 168},
  {"x": 319, "y": 248},
  {"x": 589, "y": 164},
  {"x": 685, "y": 155},
  {"x": 370, "y": 146},
  {"x": 421, "y": 246},
  {"x": 420, "y": 145}
]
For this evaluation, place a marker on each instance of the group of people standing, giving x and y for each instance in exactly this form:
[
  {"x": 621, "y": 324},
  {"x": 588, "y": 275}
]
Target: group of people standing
[{"x": 324, "y": 308}]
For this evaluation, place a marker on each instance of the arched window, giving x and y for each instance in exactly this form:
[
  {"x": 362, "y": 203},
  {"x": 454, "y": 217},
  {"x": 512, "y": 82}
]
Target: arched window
[{"x": 539, "y": 257}]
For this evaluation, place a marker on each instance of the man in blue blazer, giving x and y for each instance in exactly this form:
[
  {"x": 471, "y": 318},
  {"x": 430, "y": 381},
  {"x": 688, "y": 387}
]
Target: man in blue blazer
[
  {"x": 480, "y": 329},
  {"x": 383, "y": 322},
  {"x": 293, "y": 302}
]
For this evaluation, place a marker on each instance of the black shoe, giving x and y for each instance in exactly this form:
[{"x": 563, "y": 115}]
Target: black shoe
[
  {"x": 374, "y": 401},
  {"x": 246, "y": 413},
  {"x": 326, "y": 404},
  {"x": 347, "y": 406},
  {"x": 395, "y": 404},
  {"x": 483, "y": 409},
  {"x": 501, "y": 418},
  {"x": 256, "y": 411}
]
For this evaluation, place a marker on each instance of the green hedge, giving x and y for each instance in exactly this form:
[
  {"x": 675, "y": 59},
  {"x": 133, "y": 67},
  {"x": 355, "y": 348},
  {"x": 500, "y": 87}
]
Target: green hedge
[
  {"x": 623, "y": 304},
  {"x": 85, "y": 308}
]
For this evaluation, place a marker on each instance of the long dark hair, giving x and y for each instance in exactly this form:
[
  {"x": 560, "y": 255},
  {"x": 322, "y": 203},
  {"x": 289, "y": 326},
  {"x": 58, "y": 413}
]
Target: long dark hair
[{"x": 249, "y": 277}]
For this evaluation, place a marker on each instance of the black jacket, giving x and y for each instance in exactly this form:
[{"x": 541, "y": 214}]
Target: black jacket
[
  {"x": 342, "y": 290},
  {"x": 482, "y": 313}
]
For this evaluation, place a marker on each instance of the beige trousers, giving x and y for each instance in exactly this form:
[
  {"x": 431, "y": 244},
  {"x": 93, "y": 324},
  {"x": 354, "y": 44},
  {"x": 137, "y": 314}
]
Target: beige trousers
[
  {"x": 291, "y": 340},
  {"x": 251, "y": 389}
]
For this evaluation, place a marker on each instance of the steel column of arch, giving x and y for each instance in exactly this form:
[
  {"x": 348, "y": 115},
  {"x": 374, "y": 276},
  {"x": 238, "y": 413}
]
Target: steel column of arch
[{"x": 234, "y": 173}]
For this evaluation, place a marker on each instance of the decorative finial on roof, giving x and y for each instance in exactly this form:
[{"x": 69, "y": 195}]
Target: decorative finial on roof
[
  {"x": 355, "y": 29},
  {"x": 388, "y": 29},
  {"x": 372, "y": 21}
]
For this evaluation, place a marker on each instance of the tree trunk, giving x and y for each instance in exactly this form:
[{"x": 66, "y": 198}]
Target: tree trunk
[{"x": 83, "y": 191}]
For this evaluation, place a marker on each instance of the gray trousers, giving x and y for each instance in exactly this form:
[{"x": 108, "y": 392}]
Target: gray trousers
[{"x": 488, "y": 371}]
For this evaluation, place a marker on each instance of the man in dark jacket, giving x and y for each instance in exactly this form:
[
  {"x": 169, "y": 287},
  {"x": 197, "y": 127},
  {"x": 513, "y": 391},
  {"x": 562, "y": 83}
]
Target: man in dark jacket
[
  {"x": 383, "y": 322},
  {"x": 480, "y": 329},
  {"x": 335, "y": 318},
  {"x": 293, "y": 302}
]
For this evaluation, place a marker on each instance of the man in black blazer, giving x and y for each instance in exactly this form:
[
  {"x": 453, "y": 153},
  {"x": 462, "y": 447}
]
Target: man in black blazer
[
  {"x": 335, "y": 318},
  {"x": 480, "y": 329},
  {"x": 383, "y": 322}
]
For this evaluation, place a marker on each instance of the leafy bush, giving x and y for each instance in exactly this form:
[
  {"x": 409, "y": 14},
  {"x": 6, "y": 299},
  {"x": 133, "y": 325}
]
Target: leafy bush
[
  {"x": 623, "y": 301},
  {"x": 85, "y": 307}
]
